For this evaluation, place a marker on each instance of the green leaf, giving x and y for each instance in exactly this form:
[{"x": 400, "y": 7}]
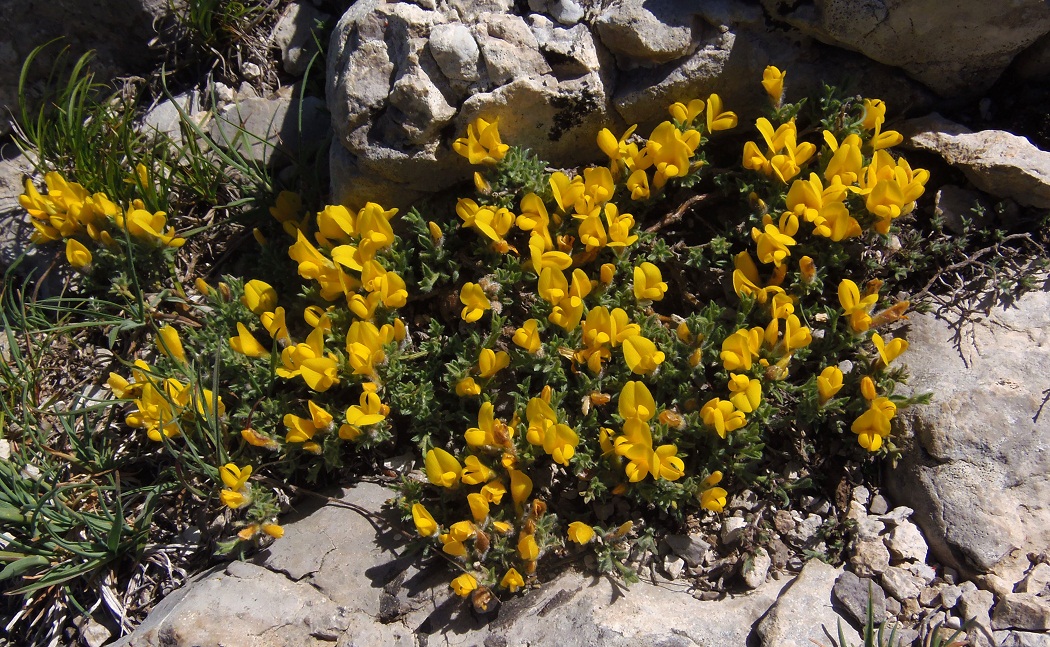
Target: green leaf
[{"x": 19, "y": 566}]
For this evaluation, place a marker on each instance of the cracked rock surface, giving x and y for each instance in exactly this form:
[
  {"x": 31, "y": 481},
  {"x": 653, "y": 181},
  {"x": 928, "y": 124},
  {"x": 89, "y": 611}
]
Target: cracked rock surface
[
  {"x": 978, "y": 471},
  {"x": 338, "y": 577}
]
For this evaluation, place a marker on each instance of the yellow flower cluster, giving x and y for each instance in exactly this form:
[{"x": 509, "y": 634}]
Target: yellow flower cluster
[
  {"x": 67, "y": 211},
  {"x": 343, "y": 263},
  {"x": 856, "y": 166},
  {"x": 163, "y": 403},
  {"x": 637, "y": 408}
]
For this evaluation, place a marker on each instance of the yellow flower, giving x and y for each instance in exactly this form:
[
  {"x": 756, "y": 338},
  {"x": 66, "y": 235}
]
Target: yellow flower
[
  {"x": 722, "y": 416},
  {"x": 425, "y": 523},
  {"x": 479, "y": 507},
  {"x": 740, "y": 348},
  {"x": 274, "y": 323},
  {"x": 620, "y": 225},
  {"x": 638, "y": 185},
  {"x": 641, "y": 355},
  {"x": 245, "y": 343},
  {"x": 370, "y": 411},
  {"x": 795, "y": 334},
  {"x": 77, "y": 254},
  {"x": 648, "y": 283},
  {"x": 713, "y": 499},
  {"x": 259, "y": 296},
  {"x": 636, "y": 406},
  {"x": 475, "y": 472},
  {"x": 475, "y": 303},
  {"x": 684, "y": 114},
  {"x": 534, "y": 218},
  {"x": 512, "y": 581},
  {"x": 566, "y": 192},
  {"x": 493, "y": 491},
  {"x": 891, "y": 351},
  {"x": 467, "y": 387},
  {"x": 520, "y": 486},
  {"x": 874, "y": 424},
  {"x": 829, "y": 382},
  {"x": 464, "y": 585},
  {"x": 662, "y": 462},
  {"x": 255, "y": 439},
  {"x": 287, "y": 206},
  {"x": 671, "y": 150},
  {"x": 309, "y": 361},
  {"x": 482, "y": 144},
  {"x": 435, "y": 231},
  {"x": 856, "y": 308},
  {"x": 618, "y": 150},
  {"x": 528, "y": 336},
  {"x": 607, "y": 273},
  {"x": 151, "y": 227},
  {"x": 170, "y": 344},
  {"x": 746, "y": 279},
  {"x": 773, "y": 82},
  {"x": 552, "y": 286},
  {"x": 442, "y": 468},
  {"x": 747, "y": 392},
  {"x": 717, "y": 119},
  {"x": 580, "y": 533},
  {"x": 489, "y": 432},
  {"x": 528, "y": 548},
  {"x": 301, "y": 430},
  {"x": 807, "y": 270},
  {"x": 364, "y": 346},
  {"x": 774, "y": 240},
  {"x": 237, "y": 494}
]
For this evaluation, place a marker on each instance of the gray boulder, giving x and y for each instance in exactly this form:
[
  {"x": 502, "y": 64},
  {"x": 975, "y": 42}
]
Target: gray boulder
[
  {"x": 336, "y": 577},
  {"x": 997, "y": 162},
  {"x": 976, "y": 472},
  {"x": 955, "y": 49}
]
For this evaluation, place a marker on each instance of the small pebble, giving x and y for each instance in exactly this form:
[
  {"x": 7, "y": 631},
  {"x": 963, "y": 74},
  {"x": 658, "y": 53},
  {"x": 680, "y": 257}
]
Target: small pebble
[{"x": 878, "y": 505}]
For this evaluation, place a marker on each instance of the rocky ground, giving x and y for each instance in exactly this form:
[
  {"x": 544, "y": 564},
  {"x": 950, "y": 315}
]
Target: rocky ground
[{"x": 956, "y": 535}]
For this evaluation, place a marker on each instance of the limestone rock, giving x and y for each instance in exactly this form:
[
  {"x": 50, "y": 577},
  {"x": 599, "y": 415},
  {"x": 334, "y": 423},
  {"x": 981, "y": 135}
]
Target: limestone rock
[
  {"x": 405, "y": 81},
  {"x": 508, "y": 48},
  {"x": 691, "y": 548},
  {"x": 336, "y": 577},
  {"x": 756, "y": 568},
  {"x": 900, "y": 583},
  {"x": 950, "y": 596},
  {"x": 975, "y": 605},
  {"x": 456, "y": 53},
  {"x": 572, "y": 52},
  {"x": 1037, "y": 579},
  {"x": 955, "y": 204},
  {"x": 1024, "y": 611},
  {"x": 647, "y": 32},
  {"x": 294, "y": 35},
  {"x": 1025, "y": 639},
  {"x": 259, "y": 127},
  {"x": 998, "y": 163},
  {"x": 240, "y": 600},
  {"x": 852, "y": 593},
  {"x": 803, "y": 611},
  {"x": 975, "y": 473},
  {"x": 732, "y": 530},
  {"x": 164, "y": 117},
  {"x": 933, "y": 42},
  {"x": 870, "y": 557},
  {"x": 906, "y": 542}
]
